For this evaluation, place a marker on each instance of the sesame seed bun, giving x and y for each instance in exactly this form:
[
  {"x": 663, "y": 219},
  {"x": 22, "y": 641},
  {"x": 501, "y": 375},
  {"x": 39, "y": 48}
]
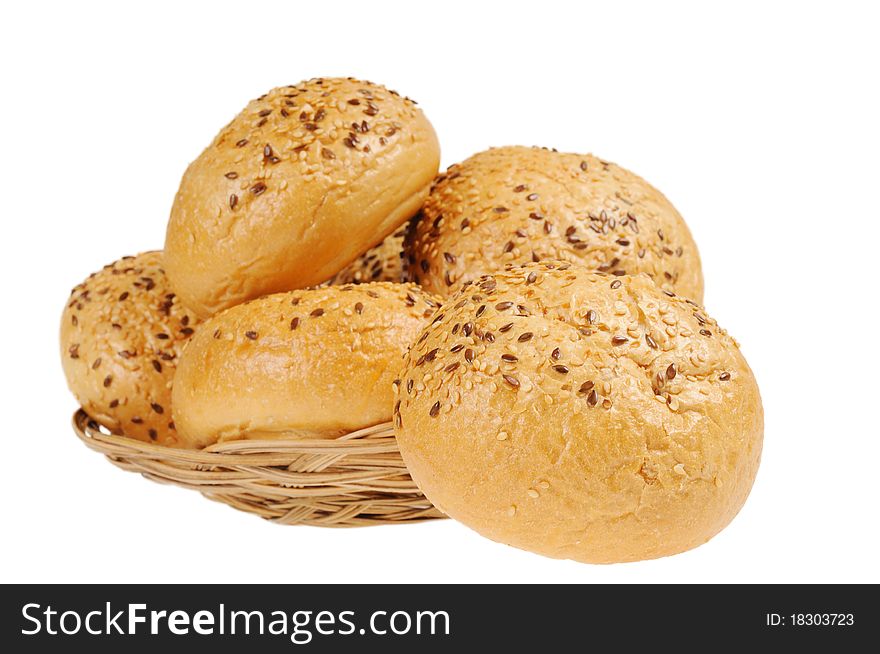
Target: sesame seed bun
[
  {"x": 580, "y": 415},
  {"x": 383, "y": 263},
  {"x": 299, "y": 184},
  {"x": 122, "y": 332},
  {"x": 312, "y": 363},
  {"x": 516, "y": 205}
]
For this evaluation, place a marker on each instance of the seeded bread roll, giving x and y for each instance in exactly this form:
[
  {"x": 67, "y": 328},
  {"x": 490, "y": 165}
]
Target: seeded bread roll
[
  {"x": 383, "y": 263},
  {"x": 316, "y": 363},
  {"x": 516, "y": 204},
  {"x": 299, "y": 184},
  {"x": 580, "y": 415},
  {"x": 122, "y": 332}
]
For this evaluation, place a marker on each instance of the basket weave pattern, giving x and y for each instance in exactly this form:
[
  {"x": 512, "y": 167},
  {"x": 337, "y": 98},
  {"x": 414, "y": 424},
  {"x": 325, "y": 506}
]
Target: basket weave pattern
[{"x": 355, "y": 480}]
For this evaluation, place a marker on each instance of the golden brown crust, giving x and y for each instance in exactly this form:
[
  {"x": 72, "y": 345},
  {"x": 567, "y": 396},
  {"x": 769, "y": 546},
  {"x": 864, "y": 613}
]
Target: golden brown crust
[
  {"x": 311, "y": 363},
  {"x": 122, "y": 332},
  {"x": 299, "y": 184},
  {"x": 383, "y": 263},
  {"x": 515, "y": 205},
  {"x": 580, "y": 415}
]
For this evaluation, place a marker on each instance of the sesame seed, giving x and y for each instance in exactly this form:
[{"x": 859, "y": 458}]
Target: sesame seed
[{"x": 502, "y": 436}]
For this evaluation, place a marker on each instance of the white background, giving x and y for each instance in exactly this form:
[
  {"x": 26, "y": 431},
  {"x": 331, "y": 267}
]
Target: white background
[{"x": 759, "y": 122}]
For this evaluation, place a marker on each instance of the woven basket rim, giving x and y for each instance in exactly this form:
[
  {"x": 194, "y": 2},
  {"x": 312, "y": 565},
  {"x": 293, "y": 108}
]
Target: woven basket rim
[{"x": 353, "y": 480}]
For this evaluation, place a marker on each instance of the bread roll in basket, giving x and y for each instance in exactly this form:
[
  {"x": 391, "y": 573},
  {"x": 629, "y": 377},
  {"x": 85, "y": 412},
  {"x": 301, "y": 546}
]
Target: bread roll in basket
[{"x": 299, "y": 457}]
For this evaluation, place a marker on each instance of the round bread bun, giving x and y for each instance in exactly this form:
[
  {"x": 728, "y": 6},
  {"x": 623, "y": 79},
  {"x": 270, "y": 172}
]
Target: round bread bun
[
  {"x": 516, "y": 204},
  {"x": 580, "y": 415},
  {"x": 383, "y": 263},
  {"x": 315, "y": 363},
  {"x": 122, "y": 332},
  {"x": 299, "y": 184}
]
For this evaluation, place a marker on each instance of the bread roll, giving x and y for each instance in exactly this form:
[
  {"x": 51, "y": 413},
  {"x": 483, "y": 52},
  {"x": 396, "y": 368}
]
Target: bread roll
[
  {"x": 383, "y": 263},
  {"x": 300, "y": 183},
  {"x": 121, "y": 335},
  {"x": 580, "y": 415},
  {"x": 316, "y": 363},
  {"x": 515, "y": 205}
]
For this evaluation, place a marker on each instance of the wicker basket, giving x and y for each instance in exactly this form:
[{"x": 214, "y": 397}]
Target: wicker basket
[{"x": 355, "y": 480}]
